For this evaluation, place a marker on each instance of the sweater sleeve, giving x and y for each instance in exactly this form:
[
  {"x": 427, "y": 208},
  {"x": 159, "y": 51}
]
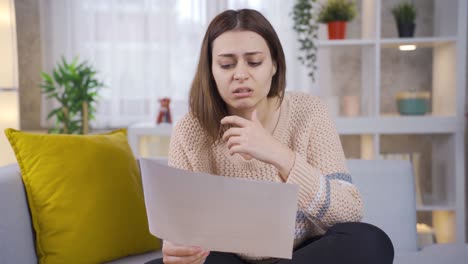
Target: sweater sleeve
[
  {"x": 178, "y": 156},
  {"x": 326, "y": 193},
  {"x": 189, "y": 147}
]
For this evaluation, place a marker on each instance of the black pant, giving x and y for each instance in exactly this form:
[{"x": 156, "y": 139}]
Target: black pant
[{"x": 350, "y": 243}]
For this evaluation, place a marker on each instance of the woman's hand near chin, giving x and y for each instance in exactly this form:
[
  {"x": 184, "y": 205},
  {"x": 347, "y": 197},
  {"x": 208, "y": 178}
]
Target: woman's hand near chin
[{"x": 248, "y": 137}]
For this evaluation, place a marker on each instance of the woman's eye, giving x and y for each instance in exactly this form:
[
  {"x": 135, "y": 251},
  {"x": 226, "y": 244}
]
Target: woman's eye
[
  {"x": 226, "y": 66},
  {"x": 255, "y": 64}
]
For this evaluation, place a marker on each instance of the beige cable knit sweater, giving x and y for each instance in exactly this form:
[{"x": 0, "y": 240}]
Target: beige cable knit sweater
[{"x": 326, "y": 193}]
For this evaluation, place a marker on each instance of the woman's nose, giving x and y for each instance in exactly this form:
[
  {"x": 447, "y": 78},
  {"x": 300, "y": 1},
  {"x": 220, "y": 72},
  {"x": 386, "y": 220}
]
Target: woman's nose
[{"x": 240, "y": 73}]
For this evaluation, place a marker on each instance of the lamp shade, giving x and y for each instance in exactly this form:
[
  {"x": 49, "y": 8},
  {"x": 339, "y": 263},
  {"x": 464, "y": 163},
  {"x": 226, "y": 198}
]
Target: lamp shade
[{"x": 9, "y": 106}]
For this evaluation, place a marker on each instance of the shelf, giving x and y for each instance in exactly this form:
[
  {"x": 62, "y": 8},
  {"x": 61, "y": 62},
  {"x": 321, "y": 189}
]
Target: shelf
[
  {"x": 389, "y": 42},
  {"x": 397, "y": 125},
  {"x": 345, "y": 42},
  {"x": 430, "y": 208},
  {"x": 350, "y": 126},
  {"x": 420, "y": 42},
  {"x": 150, "y": 129}
]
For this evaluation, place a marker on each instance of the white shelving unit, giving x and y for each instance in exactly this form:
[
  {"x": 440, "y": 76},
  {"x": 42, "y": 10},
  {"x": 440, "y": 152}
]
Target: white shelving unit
[
  {"x": 345, "y": 42},
  {"x": 381, "y": 132},
  {"x": 397, "y": 125},
  {"x": 421, "y": 42}
]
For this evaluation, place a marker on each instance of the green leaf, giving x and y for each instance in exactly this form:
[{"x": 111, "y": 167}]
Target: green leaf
[
  {"x": 304, "y": 16},
  {"x": 47, "y": 88},
  {"x": 58, "y": 79},
  {"x": 53, "y": 112},
  {"x": 47, "y": 77},
  {"x": 54, "y": 130}
]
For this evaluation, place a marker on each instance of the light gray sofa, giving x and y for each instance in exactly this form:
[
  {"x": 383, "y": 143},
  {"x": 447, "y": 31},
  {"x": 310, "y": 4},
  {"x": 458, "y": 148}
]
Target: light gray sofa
[{"x": 386, "y": 185}]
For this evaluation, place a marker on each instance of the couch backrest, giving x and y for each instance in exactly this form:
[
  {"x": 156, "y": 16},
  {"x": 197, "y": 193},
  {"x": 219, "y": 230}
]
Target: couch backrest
[
  {"x": 387, "y": 188},
  {"x": 16, "y": 236}
]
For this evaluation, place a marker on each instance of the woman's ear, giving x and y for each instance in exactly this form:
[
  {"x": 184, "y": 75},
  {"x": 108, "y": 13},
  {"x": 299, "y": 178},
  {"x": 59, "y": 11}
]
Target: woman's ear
[{"x": 273, "y": 72}]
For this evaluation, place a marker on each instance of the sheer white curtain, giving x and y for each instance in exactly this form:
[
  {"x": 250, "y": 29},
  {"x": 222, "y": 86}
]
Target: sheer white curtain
[{"x": 146, "y": 49}]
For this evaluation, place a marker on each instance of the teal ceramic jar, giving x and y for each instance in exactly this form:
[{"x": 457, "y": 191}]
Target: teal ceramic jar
[{"x": 413, "y": 103}]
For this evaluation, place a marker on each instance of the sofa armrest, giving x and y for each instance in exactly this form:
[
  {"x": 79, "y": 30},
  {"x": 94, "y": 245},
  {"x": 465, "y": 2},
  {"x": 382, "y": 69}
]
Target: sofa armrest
[
  {"x": 435, "y": 254},
  {"x": 16, "y": 233}
]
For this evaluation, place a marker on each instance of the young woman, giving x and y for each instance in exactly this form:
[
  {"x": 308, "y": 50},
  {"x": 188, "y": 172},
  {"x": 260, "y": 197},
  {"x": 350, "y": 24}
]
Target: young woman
[{"x": 242, "y": 124}]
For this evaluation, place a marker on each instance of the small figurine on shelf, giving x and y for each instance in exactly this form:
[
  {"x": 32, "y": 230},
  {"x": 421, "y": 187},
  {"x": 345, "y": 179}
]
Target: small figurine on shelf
[{"x": 164, "y": 115}]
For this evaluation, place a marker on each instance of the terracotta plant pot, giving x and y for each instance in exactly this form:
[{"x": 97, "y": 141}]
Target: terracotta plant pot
[{"x": 337, "y": 30}]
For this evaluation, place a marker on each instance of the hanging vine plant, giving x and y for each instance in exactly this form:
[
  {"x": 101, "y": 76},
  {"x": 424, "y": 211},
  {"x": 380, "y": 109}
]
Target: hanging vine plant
[{"x": 306, "y": 26}]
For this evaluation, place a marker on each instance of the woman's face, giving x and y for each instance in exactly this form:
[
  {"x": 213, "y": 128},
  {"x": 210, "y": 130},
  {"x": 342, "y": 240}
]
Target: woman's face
[{"x": 242, "y": 68}]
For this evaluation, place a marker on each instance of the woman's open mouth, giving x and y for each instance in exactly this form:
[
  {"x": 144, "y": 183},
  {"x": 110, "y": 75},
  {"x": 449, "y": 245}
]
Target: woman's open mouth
[{"x": 242, "y": 92}]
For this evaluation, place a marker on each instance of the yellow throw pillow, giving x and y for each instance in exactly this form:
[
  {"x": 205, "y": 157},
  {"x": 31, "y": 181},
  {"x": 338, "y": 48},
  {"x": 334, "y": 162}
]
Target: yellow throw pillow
[{"x": 85, "y": 196}]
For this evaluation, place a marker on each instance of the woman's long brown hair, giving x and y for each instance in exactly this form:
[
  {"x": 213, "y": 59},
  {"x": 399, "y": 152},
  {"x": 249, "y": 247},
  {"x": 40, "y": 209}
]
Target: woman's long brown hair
[{"x": 206, "y": 104}]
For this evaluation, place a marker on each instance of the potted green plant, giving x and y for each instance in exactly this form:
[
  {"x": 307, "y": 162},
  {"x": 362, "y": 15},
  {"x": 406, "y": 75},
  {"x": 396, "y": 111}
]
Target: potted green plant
[
  {"x": 405, "y": 15},
  {"x": 336, "y": 13},
  {"x": 306, "y": 26},
  {"x": 74, "y": 86}
]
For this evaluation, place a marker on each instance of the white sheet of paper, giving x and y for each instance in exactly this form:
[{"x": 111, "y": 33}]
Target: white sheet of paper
[{"x": 219, "y": 213}]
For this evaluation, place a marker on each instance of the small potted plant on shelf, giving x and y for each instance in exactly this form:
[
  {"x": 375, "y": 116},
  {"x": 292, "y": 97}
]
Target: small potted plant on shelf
[
  {"x": 405, "y": 15},
  {"x": 336, "y": 13}
]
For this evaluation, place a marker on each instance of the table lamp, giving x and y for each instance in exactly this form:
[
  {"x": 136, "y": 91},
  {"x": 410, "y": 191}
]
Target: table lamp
[{"x": 9, "y": 106}]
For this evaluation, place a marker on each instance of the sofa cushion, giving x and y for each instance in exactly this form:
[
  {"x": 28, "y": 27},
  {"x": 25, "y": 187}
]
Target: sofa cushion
[
  {"x": 85, "y": 196},
  {"x": 387, "y": 188}
]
